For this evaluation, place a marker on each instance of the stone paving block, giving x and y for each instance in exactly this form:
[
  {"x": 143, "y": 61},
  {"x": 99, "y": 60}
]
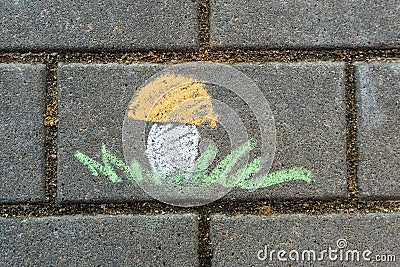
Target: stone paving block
[
  {"x": 378, "y": 98},
  {"x": 307, "y": 102},
  {"x": 269, "y": 240},
  {"x": 304, "y": 24},
  {"x": 98, "y": 25},
  {"x": 103, "y": 240},
  {"x": 92, "y": 103},
  {"x": 309, "y": 115},
  {"x": 22, "y": 105}
]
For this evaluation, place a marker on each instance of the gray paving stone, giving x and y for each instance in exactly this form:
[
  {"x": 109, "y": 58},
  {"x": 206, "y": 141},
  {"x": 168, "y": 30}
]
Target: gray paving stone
[
  {"x": 123, "y": 240},
  {"x": 307, "y": 102},
  {"x": 92, "y": 103},
  {"x": 378, "y": 95},
  {"x": 236, "y": 241},
  {"x": 22, "y": 105},
  {"x": 98, "y": 25},
  {"x": 304, "y": 24}
]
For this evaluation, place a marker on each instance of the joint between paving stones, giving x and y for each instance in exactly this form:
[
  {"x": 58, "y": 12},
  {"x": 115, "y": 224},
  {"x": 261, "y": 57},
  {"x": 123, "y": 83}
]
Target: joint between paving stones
[
  {"x": 204, "y": 25},
  {"x": 204, "y": 239},
  {"x": 61, "y": 209},
  {"x": 351, "y": 131},
  {"x": 51, "y": 130},
  {"x": 229, "y": 56},
  {"x": 232, "y": 208}
]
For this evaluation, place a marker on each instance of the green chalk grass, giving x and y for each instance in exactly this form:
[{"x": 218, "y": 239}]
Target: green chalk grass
[{"x": 244, "y": 178}]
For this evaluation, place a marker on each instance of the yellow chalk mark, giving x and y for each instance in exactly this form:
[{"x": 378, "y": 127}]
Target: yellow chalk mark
[{"x": 174, "y": 98}]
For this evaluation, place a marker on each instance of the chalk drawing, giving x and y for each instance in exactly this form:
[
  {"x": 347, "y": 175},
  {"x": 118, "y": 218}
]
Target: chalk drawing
[
  {"x": 176, "y": 105},
  {"x": 174, "y": 98},
  {"x": 219, "y": 174},
  {"x": 95, "y": 168},
  {"x": 172, "y": 148},
  {"x": 162, "y": 126}
]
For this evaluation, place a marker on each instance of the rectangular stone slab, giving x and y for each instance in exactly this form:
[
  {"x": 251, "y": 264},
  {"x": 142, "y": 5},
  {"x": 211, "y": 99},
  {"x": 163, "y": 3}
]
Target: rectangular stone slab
[
  {"x": 307, "y": 102},
  {"x": 304, "y": 24},
  {"x": 98, "y": 25},
  {"x": 378, "y": 99},
  {"x": 256, "y": 240},
  {"x": 22, "y": 105},
  {"x": 102, "y": 240},
  {"x": 92, "y": 103}
]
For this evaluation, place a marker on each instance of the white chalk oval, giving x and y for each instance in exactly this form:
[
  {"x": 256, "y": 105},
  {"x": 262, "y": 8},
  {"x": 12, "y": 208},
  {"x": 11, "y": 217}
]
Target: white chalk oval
[{"x": 172, "y": 148}]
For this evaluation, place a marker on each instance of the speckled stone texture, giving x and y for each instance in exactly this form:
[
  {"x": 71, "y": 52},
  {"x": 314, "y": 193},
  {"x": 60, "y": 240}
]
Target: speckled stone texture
[
  {"x": 237, "y": 240},
  {"x": 378, "y": 98},
  {"x": 102, "y": 240},
  {"x": 98, "y": 25},
  {"x": 304, "y": 24},
  {"x": 307, "y": 102},
  {"x": 309, "y": 115},
  {"x": 22, "y": 105},
  {"x": 92, "y": 103}
]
